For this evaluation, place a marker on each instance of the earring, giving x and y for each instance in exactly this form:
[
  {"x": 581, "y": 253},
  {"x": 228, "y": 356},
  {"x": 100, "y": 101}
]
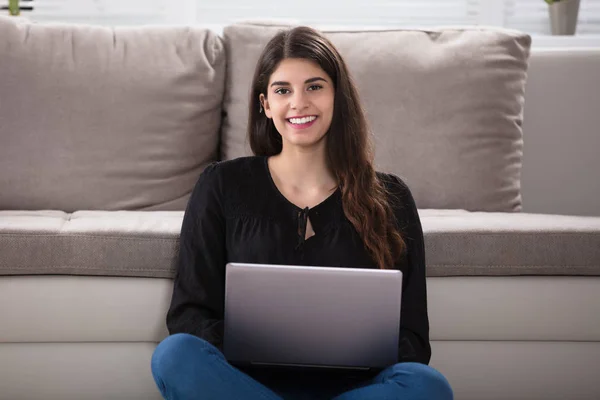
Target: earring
[{"x": 260, "y": 109}]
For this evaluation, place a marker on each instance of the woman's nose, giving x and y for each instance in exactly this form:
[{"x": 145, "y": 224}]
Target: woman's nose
[{"x": 299, "y": 101}]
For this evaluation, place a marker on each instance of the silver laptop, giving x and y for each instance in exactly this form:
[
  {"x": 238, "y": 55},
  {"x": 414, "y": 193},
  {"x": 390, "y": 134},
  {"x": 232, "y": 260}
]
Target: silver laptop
[{"x": 321, "y": 317}]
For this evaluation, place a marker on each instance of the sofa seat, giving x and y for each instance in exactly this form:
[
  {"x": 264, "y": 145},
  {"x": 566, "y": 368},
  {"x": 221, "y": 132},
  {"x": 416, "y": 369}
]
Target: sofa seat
[
  {"x": 108, "y": 243},
  {"x": 536, "y": 319},
  {"x": 144, "y": 243}
]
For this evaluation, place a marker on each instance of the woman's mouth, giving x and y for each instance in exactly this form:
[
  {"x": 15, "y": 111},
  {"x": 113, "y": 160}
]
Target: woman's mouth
[{"x": 301, "y": 123}]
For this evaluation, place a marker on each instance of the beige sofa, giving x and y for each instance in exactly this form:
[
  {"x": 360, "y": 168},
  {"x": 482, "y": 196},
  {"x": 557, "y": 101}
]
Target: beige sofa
[{"x": 103, "y": 133}]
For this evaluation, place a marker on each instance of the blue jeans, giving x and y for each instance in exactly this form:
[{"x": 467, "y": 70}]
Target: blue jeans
[{"x": 187, "y": 367}]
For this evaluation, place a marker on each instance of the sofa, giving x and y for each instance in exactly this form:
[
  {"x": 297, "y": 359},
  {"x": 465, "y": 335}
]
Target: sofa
[{"x": 104, "y": 131}]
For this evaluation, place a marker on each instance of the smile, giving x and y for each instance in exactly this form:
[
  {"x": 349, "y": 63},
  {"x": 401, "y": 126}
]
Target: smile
[{"x": 301, "y": 123}]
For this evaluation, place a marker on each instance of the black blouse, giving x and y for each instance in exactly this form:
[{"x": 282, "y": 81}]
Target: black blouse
[{"x": 237, "y": 214}]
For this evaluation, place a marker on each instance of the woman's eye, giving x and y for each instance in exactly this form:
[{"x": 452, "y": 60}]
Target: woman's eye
[{"x": 286, "y": 91}]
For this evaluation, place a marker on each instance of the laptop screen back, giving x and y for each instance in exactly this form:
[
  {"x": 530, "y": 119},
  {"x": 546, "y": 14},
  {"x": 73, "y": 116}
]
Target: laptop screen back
[{"x": 311, "y": 316}]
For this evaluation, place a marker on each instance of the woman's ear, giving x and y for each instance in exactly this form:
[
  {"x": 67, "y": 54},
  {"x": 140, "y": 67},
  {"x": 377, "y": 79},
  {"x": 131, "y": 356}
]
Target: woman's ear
[{"x": 264, "y": 105}]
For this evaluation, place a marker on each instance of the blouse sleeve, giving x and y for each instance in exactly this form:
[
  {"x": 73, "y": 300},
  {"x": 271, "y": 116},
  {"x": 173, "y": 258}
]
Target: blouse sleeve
[
  {"x": 198, "y": 292},
  {"x": 413, "y": 343}
]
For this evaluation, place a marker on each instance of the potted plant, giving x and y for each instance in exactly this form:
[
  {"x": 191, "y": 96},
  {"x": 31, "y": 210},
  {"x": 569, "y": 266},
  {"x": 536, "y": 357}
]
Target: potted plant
[
  {"x": 13, "y": 7},
  {"x": 563, "y": 16}
]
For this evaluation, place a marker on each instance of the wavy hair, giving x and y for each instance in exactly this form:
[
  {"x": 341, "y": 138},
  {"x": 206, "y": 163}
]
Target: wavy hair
[{"x": 349, "y": 147}]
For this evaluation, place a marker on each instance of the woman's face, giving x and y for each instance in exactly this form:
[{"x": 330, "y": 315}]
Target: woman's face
[{"x": 299, "y": 99}]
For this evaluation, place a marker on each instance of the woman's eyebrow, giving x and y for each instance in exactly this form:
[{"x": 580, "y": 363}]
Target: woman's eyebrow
[{"x": 283, "y": 83}]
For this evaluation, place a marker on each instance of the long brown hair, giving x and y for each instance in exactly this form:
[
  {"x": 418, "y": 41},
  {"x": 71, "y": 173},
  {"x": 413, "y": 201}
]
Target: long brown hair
[{"x": 348, "y": 142}]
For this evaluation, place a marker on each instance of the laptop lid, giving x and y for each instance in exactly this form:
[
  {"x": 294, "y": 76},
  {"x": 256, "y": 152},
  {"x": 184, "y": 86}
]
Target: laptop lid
[{"x": 311, "y": 316}]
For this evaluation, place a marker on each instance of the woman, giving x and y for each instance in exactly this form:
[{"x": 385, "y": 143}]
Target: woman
[{"x": 309, "y": 196}]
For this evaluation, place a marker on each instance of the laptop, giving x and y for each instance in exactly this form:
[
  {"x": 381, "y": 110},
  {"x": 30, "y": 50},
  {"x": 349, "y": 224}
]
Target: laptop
[{"x": 311, "y": 317}]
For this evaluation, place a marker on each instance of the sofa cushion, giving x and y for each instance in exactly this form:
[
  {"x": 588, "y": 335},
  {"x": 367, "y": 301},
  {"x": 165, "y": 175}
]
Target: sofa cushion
[
  {"x": 145, "y": 244},
  {"x": 460, "y": 243},
  {"x": 445, "y": 106},
  {"x": 106, "y": 119},
  {"x": 560, "y": 158},
  {"x": 117, "y": 243}
]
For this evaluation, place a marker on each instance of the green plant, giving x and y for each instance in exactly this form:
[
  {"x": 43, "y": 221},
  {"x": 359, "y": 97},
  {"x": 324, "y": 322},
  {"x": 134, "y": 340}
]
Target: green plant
[
  {"x": 13, "y": 7},
  {"x": 551, "y": 1}
]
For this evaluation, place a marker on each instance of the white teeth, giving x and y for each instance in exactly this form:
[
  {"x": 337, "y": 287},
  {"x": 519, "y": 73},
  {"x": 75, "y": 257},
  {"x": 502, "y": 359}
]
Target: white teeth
[{"x": 299, "y": 121}]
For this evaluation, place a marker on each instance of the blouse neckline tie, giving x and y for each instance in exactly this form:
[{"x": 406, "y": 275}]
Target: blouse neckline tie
[{"x": 302, "y": 224}]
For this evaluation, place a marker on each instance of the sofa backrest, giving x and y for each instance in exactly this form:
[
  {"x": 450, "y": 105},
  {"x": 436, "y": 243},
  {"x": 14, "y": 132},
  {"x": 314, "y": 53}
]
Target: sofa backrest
[
  {"x": 106, "y": 119},
  {"x": 445, "y": 106},
  {"x": 127, "y": 118}
]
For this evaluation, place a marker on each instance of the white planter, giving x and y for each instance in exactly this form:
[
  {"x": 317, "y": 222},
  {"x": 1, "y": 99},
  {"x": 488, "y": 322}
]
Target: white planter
[{"x": 563, "y": 17}]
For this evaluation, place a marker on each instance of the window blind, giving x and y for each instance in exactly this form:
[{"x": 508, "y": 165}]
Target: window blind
[
  {"x": 342, "y": 13},
  {"x": 527, "y": 15},
  {"x": 102, "y": 12}
]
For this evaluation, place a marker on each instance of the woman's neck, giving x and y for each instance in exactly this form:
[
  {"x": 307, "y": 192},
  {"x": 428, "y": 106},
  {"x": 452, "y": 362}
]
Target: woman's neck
[{"x": 303, "y": 170}]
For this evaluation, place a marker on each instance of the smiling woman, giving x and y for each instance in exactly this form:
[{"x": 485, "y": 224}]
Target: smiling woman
[
  {"x": 309, "y": 196},
  {"x": 284, "y": 85}
]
